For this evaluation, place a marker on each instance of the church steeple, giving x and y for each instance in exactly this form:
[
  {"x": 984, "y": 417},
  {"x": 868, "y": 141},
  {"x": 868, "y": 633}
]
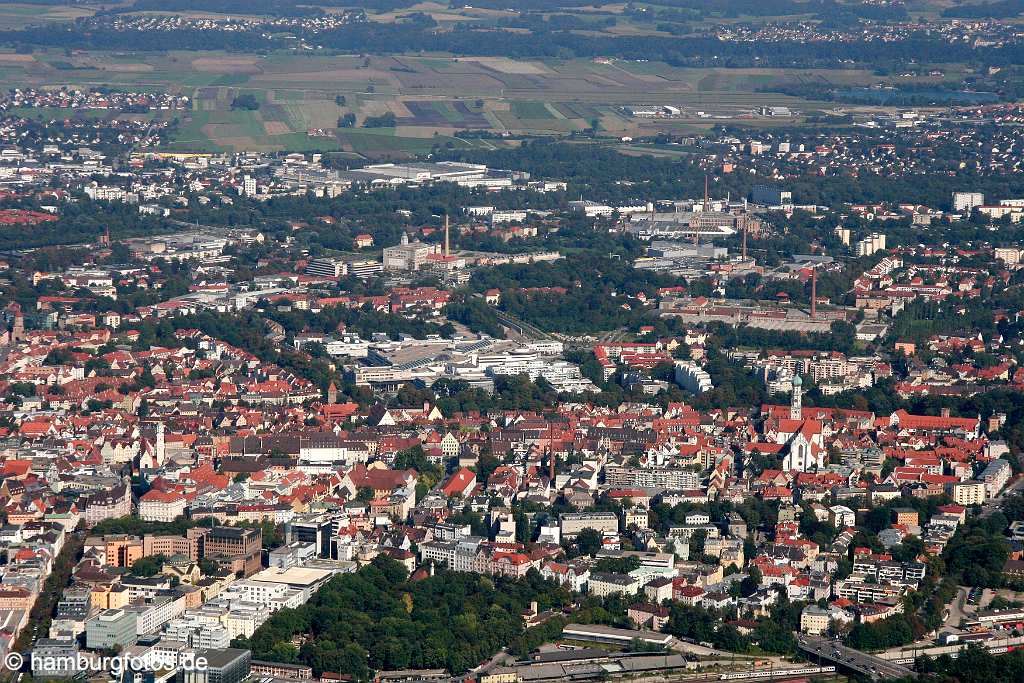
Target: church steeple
[{"x": 796, "y": 406}]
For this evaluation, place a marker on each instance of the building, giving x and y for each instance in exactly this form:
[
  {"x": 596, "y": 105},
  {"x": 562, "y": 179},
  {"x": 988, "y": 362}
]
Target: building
[
  {"x": 326, "y": 267},
  {"x": 230, "y": 665},
  {"x": 117, "y": 502},
  {"x": 692, "y": 377},
  {"x": 317, "y": 530},
  {"x": 814, "y": 620},
  {"x": 1008, "y": 255},
  {"x": 995, "y": 476},
  {"x": 671, "y": 478},
  {"x": 295, "y": 672},
  {"x": 575, "y": 522},
  {"x": 871, "y": 244},
  {"x": 407, "y": 255},
  {"x": 161, "y": 506},
  {"x": 602, "y": 584},
  {"x": 239, "y": 547},
  {"x": 967, "y": 201},
  {"x": 110, "y": 629},
  {"x": 969, "y": 492},
  {"x": 54, "y": 658},
  {"x": 841, "y": 517}
]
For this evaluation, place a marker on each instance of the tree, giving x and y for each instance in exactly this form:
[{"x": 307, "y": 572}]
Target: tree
[
  {"x": 386, "y": 120},
  {"x": 589, "y": 541},
  {"x": 751, "y": 582},
  {"x": 347, "y": 120},
  {"x": 148, "y": 566},
  {"x": 245, "y": 101}
]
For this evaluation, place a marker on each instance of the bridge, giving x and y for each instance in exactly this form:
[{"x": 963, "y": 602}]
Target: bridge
[{"x": 835, "y": 652}]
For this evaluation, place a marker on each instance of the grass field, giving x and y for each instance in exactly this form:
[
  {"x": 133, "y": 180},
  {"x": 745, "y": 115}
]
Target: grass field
[{"x": 429, "y": 96}]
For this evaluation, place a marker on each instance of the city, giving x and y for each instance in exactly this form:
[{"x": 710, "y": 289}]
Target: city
[{"x": 402, "y": 342}]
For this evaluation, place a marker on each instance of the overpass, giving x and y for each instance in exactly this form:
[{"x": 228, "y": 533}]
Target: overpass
[{"x": 833, "y": 651}]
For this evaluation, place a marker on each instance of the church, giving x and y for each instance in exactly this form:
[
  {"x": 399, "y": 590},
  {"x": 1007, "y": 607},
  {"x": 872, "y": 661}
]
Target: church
[{"x": 805, "y": 450}]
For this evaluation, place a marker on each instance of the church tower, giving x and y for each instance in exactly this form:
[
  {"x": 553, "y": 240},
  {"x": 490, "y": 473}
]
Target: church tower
[
  {"x": 796, "y": 407},
  {"x": 161, "y": 445}
]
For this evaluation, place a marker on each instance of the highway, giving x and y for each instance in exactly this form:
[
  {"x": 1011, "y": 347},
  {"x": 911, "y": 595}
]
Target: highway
[{"x": 836, "y": 653}]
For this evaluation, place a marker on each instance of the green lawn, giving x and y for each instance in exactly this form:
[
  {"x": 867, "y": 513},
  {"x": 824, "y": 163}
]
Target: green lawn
[{"x": 531, "y": 110}]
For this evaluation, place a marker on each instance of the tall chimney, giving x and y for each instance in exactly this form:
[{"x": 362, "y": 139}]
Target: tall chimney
[
  {"x": 447, "y": 250},
  {"x": 744, "y": 238},
  {"x": 707, "y": 204}
]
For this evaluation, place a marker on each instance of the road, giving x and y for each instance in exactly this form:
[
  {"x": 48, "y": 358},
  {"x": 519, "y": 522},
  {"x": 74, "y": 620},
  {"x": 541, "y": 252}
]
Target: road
[
  {"x": 993, "y": 504},
  {"x": 957, "y": 611},
  {"x": 836, "y": 653}
]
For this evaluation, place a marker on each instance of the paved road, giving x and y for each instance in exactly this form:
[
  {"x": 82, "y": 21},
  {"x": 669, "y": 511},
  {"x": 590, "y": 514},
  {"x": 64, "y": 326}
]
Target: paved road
[
  {"x": 993, "y": 504},
  {"x": 957, "y": 608},
  {"x": 835, "y": 652}
]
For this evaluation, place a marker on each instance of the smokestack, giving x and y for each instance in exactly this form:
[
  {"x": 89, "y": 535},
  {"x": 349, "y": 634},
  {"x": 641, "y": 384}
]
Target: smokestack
[
  {"x": 744, "y": 238},
  {"x": 814, "y": 293},
  {"x": 707, "y": 205},
  {"x": 447, "y": 250}
]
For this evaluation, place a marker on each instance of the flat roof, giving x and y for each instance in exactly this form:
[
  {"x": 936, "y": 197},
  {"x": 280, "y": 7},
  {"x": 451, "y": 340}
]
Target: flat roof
[
  {"x": 293, "y": 576},
  {"x": 608, "y": 633}
]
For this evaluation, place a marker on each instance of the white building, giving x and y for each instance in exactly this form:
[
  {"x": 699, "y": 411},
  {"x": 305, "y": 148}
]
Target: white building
[
  {"x": 966, "y": 201},
  {"x": 161, "y": 506}
]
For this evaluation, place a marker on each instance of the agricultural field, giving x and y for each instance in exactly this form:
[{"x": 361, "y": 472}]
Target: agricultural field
[{"x": 303, "y": 97}]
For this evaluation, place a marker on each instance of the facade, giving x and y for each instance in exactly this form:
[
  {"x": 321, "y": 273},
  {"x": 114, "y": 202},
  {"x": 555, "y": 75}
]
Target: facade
[
  {"x": 573, "y": 523},
  {"x": 110, "y": 629},
  {"x": 407, "y": 255},
  {"x": 230, "y": 665},
  {"x": 814, "y": 620},
  {"x": 117, "y": 502},
  {"x": 242, "y": 545},
  {"x": 602, "y": 584},
  {"x": 327, "y": 267},
  {"x": 995, "y": 476},
  {"x": 161, "y": 506},
  {"x": 969, "y": 492},
  {"x": 967, "y": 201}
]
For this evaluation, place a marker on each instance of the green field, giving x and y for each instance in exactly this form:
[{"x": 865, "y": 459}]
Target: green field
[
  {"x": 531, "y": 110},
  {"x": 429, "y": 96}
]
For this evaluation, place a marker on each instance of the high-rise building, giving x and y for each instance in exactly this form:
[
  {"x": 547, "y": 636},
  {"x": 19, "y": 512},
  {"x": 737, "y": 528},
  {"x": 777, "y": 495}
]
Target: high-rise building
[{"x": 967, "y": 201}]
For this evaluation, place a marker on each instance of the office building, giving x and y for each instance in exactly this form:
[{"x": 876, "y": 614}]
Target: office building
[
  {"x": 229, "y": 665},
  {"x": 110, "y": 629}
]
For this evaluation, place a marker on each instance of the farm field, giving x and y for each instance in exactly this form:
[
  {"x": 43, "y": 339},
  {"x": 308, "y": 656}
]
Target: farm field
[{"x": 303, "y": 97}]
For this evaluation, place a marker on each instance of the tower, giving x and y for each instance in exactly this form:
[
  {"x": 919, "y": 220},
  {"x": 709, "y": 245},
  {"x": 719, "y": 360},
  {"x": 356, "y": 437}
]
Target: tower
[
  {"x": 796, "y": 406},
  {"x": 332, "y": 393},
  {"x": 744, "y": 238},
  {"x": 18, "y": 327},
  {"x": 161, "y": 446},
  {"x": 447, "y": 250}
]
